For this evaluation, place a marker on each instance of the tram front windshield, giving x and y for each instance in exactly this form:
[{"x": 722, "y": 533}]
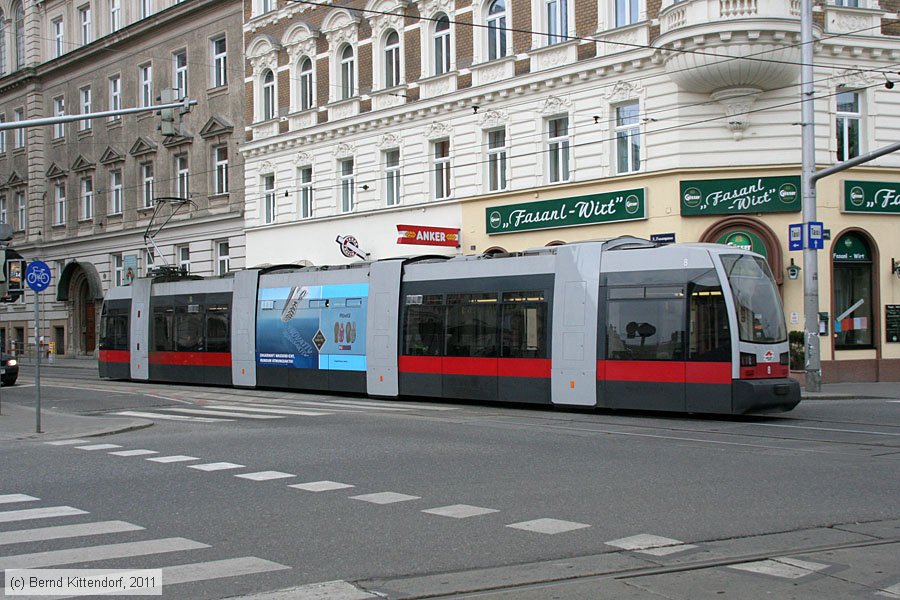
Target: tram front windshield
[{"x": 759, "y": 312}]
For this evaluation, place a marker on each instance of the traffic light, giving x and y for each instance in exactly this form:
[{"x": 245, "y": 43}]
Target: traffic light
[{"x": 167, "y": 115}]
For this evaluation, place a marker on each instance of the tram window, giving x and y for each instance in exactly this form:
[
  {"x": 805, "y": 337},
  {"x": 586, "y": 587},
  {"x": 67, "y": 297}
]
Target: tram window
[
  {"x": 163, "y": 319},
  {"x": 710, "y": 338},
  {"x": 119, "y": 330},
  {"x": 218, "y": 338},
  {"x": 647, "y": 328},
  {"x": 188, "y": 331},
  {"x": 523, "y": 325},
  {"x": 472, "y": 325},
  {"x": 423, "y": 329}
]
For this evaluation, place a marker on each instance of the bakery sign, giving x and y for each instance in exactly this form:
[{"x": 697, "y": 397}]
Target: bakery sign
[{"x": 422, "y": 235}]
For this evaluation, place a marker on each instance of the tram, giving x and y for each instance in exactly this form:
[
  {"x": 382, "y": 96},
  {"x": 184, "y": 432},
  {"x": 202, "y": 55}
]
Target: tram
[{"x": 614, "y": 324}]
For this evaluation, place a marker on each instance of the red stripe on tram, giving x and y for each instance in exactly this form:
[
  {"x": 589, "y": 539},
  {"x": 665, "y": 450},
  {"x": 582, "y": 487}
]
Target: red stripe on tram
[
  {"x": 191, "y": 359},
  {"x": 653, "y": 371},
  {"x": 115, "y": 356},
  {"x": 480, "y": 367}
]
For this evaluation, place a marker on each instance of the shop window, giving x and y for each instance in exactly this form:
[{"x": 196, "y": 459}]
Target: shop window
[{"x": 852, "y": 285}]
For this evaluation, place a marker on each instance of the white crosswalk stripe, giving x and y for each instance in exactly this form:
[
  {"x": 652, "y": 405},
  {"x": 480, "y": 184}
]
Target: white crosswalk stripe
[
  {"x": 59, "y": 532},
  {"x": 39, "y": 513},
  {"x": 134, "y": 452},
  {"x": 10, "y": 498},
  {"x": 150, "y": 415},
  {"x": 216, "y": 413},
  {"x": 53, "y": 558},
  {"x": 266, "y": 410}
]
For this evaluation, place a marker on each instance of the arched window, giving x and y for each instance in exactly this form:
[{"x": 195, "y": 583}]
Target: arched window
[
  {"x": 392, "y": 60},
  {"x": 496, "y": 23},
  {"x": 306, "y": 84},
  {"x": 852, "y": 287},
  {"x": 19, "y": 32},
  {"x": 268, "y": 95},
  {"x": 348, "y": 68},
  {"x": 442, "y": 45}
]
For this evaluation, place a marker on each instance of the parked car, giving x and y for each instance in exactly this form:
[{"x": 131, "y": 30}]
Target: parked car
[{"x": 10, "y": 370}]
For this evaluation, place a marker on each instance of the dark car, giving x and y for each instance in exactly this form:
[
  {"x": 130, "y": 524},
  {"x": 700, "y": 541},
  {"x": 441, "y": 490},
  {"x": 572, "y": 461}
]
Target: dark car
[{"x": 10, "y": 370}]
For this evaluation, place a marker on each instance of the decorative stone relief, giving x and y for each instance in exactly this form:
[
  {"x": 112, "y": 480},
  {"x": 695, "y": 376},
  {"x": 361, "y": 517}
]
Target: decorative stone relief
[
  {"x": 623, "y": 90},
  {"x": 305, "y": 47},
  {"x": 493, "y": 118},
  {"x": 554, "y": 58},
  {"x": 437, "y": 86},
  {"x": 342, "y": 110},
  {"x": 344, "y": 150},
  {"x": 264, "y": 61},
  {"x": 267, "y": 167},
  {"x": 620, "y": 42},
  {"x": 554, "y": 105},
  {"x": 389, "y": 140},
  {"x": 303, "y": 159},
  {"x": 436, "y": 131},
  {"x": 853, "y": 77},
  {"x": 341, "y": 28},
  {"x": 737, "y": 103},
  {"x": 427, "y": 8},
  {"x": 382, "y": 23},
  {"x": 492, "y": 73}
]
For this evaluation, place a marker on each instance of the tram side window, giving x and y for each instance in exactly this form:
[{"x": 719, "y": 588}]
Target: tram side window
[
  {"x": 523, "y": 325},
  {"x": 646, "y": 323},
  {"x": 188, "y": 328},
  {"x": 218, "y": 336},
  {"x": 114, "y": 329},
  {"x": 472, "y": 325},
  {"x": 423, "y": 328},
  {"x": 163, "y": 321},
  {"x": 710, "y": 338}
]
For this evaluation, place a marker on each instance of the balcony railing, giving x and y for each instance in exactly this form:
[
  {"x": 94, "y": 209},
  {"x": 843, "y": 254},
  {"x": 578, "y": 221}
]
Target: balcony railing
[{"x": 698, "y": 12}]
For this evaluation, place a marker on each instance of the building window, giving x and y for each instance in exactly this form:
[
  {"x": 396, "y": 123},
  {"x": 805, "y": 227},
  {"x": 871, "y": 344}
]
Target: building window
[
  {"x": 392, "y": 177},
  {"x": 147, "y": 181},
  {"x": 180, "y": 74},
  {"x": 442, "y": 45},
  {"x": 223, "y": 258},
  {"x": 87, "y": 198},
  {"x": 115, "y": 192},
  {"x": 269, "y": 199},
  {"x": 2, "y": 133},
  {"x": 84, "y": 17},
  {"x": 626, "y": 12},
  {"x": 219, "y": 62},
  {"x": 392, "y": 60},
  {"x": 268, "y": 95},
  {"x": 118, "y": 266},
  {"x": 183, "y": 256},
  {"x": 58, "y": 37},
  {"x": 59, "y": 109},
  {"x": 442, "y": 188},
  {"x": 848, "y": 123},
  {"x": 306, "y": 84},
  {"x": 182, "y": 177},
  {"x": 22, "y": 210},
  {"x": 348, "y": 185},
  {"x": 146, "y": 8},
  {"x": 496, "y": 160},
  {"x": 115, "y": 15},
  {"x": 19, "y": 32},
  {"x": 59, "y": 214},
  {"x": 558, "y": 149},
  {"x": 149, "y": 260},
  {"x": 115, "y": 96},
  {"x": 847, "y": 3},
  {"x": 556, "y": 16},
  {"x": 145, "y": 73},
  {"x": 85, "y": 93},
  {"x": 3, "y": 215},
  {"x": 306, "y": 192},
  {"x": 348, "y": 73},
  {"x": 853, "y": 285},
  {"x": 220, "y": 158},
  {"x": 266, "y": 6},
  {"x": 19, "y": 141},
  {"x": 496, "y": 26},
  {"x": 628, "y": 138}
]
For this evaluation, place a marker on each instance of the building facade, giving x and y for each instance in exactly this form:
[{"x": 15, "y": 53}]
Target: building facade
[
  {"x": 541, "y": 122},
  {"x": 81, "y": 195}
]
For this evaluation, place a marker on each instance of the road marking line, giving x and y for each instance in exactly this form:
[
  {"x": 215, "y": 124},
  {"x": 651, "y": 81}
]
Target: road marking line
[
  {"x": 99, "y": 447},
  {"x": 548, "y": 526},
  {"x": 214, "y": 413},
  {"x": 349, "y": 406},
  {"x": 830, "y": 429},
  {"x": 331, "y": 408},
  {"x": 321, "y": 486},
  {"x": 134, "y": 452},
  {"x": 404, "y": 406},
  {"x": 385, "y": 498},
  {"x": 265, "y": 475},
  {"x": 275, "y": 411},
  {"x": 891, "y": 592},
  {"x": 786, "y": 568},
  {"x": 330, "y": 590},
  {"x": 654, "y": 545},
  {"x": 172, "y": 459},
  {"x": 67, "y": 442},
  {"x": 149, "y": 415},
  {"x": 460, "y": 511},
  {"x": 95, "y": 553},
  {"x": 230, "y": 567},
  {"x": 219, "y": 466},
  {"x": 10, "y": 498},
  {"x": 39, "y": 513},
  {"x": 58, "y": 532}
]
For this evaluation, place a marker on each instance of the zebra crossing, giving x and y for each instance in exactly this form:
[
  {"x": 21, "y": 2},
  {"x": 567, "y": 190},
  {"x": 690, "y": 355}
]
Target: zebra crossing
[
  {"x": 233, "y": 411},
  {"x": 41, "y": 525}
]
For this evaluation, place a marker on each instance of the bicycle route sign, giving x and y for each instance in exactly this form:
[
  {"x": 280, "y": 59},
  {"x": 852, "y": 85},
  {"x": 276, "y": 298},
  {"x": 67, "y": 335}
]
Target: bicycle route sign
[{"x": 37, "y": 275}]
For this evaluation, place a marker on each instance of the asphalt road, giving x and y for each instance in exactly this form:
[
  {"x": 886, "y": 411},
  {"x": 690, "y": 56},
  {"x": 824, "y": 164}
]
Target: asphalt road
[{"x": 413, "y": 499}]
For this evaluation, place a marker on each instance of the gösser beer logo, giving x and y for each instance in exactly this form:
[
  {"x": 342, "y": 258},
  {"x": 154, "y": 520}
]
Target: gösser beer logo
[
  {"x": 496, "y": 220},
  {"x": 692, "y": 197},
  {"x": 632, "y": 204},
  {"x": 788, "y": 192},
  {"x": 857, "y": 196}
]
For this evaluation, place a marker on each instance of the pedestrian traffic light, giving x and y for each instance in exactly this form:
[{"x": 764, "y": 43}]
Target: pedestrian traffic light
[{"x": 167, "y": 115}]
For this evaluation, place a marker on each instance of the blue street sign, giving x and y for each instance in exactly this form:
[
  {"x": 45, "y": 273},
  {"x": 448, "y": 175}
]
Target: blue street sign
[
  {"x": 815, "y": 231},
  {"x": 662, "y": 238},
  {"x": 37, "y": 275},
  {"x": 795, "y": 236}
]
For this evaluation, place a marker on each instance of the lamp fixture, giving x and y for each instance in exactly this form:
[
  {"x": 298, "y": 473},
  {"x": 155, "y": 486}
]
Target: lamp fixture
[
  {"x": 895, "y": 267},
  {"x": 793, "y": 271}
]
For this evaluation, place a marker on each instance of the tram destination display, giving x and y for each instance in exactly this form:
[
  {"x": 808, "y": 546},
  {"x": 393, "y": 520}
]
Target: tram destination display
[{"x": 892, "y": 322}]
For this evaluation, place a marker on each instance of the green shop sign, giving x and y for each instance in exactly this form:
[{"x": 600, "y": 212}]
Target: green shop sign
[
  {"x": 872, "y": 197},
  {"x": 627, "y": 205},
  {"x": 851, "y": 248},
  {"x": 745, "y": 240},
  {"x": 740, "y": 196}
]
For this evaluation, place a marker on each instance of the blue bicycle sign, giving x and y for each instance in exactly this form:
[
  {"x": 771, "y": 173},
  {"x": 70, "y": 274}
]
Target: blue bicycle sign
[{"x": 37, "y": 276}]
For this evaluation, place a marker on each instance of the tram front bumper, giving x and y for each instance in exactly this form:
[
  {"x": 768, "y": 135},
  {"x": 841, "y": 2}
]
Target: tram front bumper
[{"x": 764, "y": 395}]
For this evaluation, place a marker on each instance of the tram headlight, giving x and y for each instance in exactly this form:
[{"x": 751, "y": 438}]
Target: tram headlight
[
  {"x": 748, "y": 360},
  {"x": 785, "y": 358}
]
